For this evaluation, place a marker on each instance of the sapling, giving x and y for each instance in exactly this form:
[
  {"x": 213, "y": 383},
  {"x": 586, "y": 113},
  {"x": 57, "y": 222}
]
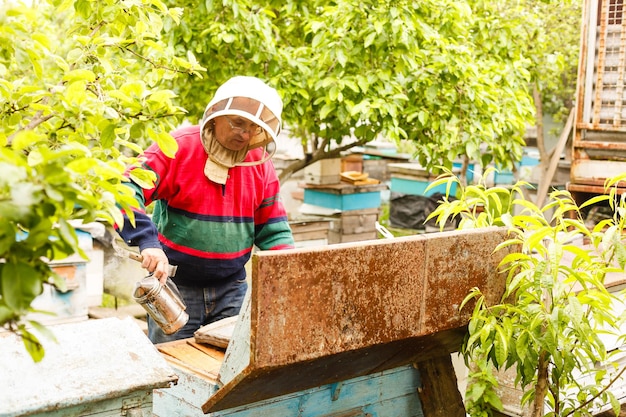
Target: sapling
[{"x": 556, "y": 315}]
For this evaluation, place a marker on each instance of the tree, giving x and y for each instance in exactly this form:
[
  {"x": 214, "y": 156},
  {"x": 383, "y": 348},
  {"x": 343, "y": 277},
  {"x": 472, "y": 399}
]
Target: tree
[
  {"x": 549, "y": 321},
  {"x": 450, "y": 76},
  {"x": 554, "y": 43},
  {"x": 81, "y": 88},
  {"x": 85, "y": 85}
]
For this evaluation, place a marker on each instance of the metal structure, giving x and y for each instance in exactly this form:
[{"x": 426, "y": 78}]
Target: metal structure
[
  {"x": 599, "y": 145},
  {"x": 325, "y": 315}
]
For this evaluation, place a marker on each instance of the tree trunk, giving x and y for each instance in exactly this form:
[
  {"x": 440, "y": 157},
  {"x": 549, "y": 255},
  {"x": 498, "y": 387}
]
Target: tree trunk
[
  {"x": 464, "y": 167},
  {"x": 544, "y": 158},
  {"x": 541, "y": 145},
  {"x": 317, "y": 155},
  {"x": 541, "y": 389}
]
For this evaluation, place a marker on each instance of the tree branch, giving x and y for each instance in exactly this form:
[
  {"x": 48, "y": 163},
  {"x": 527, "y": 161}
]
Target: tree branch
[
  {"x": 590, "y": 400},
  {"x": 317, "y": 155},
  {"x": 148, "y": 60},
  {"x": 36, "y": 121}
]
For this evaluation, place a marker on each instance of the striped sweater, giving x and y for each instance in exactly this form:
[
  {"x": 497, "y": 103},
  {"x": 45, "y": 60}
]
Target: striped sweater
[{"x": 205, "y": 228}]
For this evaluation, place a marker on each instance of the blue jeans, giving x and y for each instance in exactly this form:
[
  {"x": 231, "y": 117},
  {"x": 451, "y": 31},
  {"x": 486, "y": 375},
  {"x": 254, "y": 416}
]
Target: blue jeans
[{"x": 204, "y": 305}]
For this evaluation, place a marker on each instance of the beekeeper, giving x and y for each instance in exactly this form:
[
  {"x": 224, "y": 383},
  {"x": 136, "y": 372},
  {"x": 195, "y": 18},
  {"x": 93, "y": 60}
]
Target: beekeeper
[{"x": 213, "y": 202}]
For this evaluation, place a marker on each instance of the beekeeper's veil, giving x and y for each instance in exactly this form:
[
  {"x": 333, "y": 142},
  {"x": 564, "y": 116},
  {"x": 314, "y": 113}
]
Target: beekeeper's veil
[{"x": 247, "y": 97}]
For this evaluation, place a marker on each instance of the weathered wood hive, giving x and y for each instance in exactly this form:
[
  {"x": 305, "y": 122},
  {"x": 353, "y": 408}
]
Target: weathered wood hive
[{"x": 599, "y": 145}]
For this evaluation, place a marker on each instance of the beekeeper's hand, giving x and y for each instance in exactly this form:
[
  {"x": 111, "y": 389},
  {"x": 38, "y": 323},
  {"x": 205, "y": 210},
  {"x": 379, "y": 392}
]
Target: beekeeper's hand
[{"x": 155, "y": 261}]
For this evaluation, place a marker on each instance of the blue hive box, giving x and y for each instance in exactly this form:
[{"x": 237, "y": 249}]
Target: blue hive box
[
  {"x": 418, "y": 187},
  {"x": 503, "y": 177},
  {"x": 344, "y": 196},
  {"x": 412, "y": 178}
]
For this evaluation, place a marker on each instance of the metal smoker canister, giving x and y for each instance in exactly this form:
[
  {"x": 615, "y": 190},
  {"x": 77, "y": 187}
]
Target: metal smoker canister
[{"x": 162, "y": 302}]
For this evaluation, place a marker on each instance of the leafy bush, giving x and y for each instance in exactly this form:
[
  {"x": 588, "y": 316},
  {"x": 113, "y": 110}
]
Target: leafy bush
[
  {"x": 80, "y": 94},
  {"x": 556, "y": 305}
]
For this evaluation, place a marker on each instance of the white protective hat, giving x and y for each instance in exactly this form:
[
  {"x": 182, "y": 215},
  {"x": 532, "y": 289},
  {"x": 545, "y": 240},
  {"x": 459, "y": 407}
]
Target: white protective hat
[{"x": 252, "y": 99}]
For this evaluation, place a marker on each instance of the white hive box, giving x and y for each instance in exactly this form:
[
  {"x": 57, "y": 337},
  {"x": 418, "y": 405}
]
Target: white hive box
[{"x": 99, "y": 368}]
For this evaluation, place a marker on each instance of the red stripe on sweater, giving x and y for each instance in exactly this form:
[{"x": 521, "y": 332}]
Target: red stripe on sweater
[{"x": 202, "y": 254}]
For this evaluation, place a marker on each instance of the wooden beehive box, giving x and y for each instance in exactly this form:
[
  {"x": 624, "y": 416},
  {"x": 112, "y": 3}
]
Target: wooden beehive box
[
  {"x": 326, "y": 171},
  {"x": 354, "y": 226},
  {"x": 196, "y": 364},
  {"x": 311, "y": 230},
  {"x": 344, "y": 196}
]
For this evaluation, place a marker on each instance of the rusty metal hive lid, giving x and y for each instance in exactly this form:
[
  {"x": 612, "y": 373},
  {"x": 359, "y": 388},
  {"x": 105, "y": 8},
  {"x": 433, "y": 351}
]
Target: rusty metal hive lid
[{"x": 327, "y": 314}]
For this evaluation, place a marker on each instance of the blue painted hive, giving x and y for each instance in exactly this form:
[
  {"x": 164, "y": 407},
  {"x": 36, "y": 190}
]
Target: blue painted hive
[{"x": 344, "y": 196}]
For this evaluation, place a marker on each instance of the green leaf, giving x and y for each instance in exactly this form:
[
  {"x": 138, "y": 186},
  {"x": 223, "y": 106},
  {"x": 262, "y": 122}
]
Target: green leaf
[
  {"x": 369, "y": 39},
  {"x": 107, "y": 135},
  {"x": 21, "y": 283},
  {"x": 32, "y": 345},
  {"x": 522, "y": 345},
  {"x": 25, "y": 138},
  {"x": 501, "y": 346},
  {"x": 79, "y": 75},
  {"x": 161, "y": 96},
  {"x": 328, "y": 108},
  {"x": 43, "y": 330},
  {"x": 167, "y": 144},
  {"x": 145, "y": 178}
]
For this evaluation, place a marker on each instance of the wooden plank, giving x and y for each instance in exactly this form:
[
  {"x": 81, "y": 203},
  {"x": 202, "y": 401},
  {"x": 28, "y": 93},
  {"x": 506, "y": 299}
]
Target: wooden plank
[
  {"x": 595, "y": 171},
  {"x": 410, "y": 177},
  {"x": 310, "y": 230},
  {"x": 217, "y": 333},
  {"x": 368, "y": 181},
  {"x": 546, "y": 179},
  {"x": 211, "y": 375},
  {"x": 314, "y": 235},
  {"x": 372, "y": 210},
  {"x": 358, "y": 178},
  {"x": 309, "y": 226},
  {"x": 191, "y": 355},
  {"x": 211, "y": 351},
  {"x": 335, "y": 237},
  {"x": 356, "y": 223},
  {"x": 439, "y": 393},
  {"x": 409, "y": 169}
]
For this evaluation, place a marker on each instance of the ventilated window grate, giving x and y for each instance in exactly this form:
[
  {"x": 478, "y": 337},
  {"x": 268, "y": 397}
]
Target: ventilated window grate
[{"x": 609, "y": 67}]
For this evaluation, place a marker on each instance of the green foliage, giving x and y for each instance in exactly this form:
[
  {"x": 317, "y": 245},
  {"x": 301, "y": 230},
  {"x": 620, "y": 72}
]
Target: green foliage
[
  {"x": 453, "y": 77},
  {"x": 81, "y": 91},
  {"x": 555, "y": 306},
  {"x": 85, "y": 85}
]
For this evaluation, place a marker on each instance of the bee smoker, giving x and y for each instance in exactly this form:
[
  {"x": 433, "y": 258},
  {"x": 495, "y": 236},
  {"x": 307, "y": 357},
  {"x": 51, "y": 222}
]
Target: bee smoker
[{"x": 162, "y": 302}]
